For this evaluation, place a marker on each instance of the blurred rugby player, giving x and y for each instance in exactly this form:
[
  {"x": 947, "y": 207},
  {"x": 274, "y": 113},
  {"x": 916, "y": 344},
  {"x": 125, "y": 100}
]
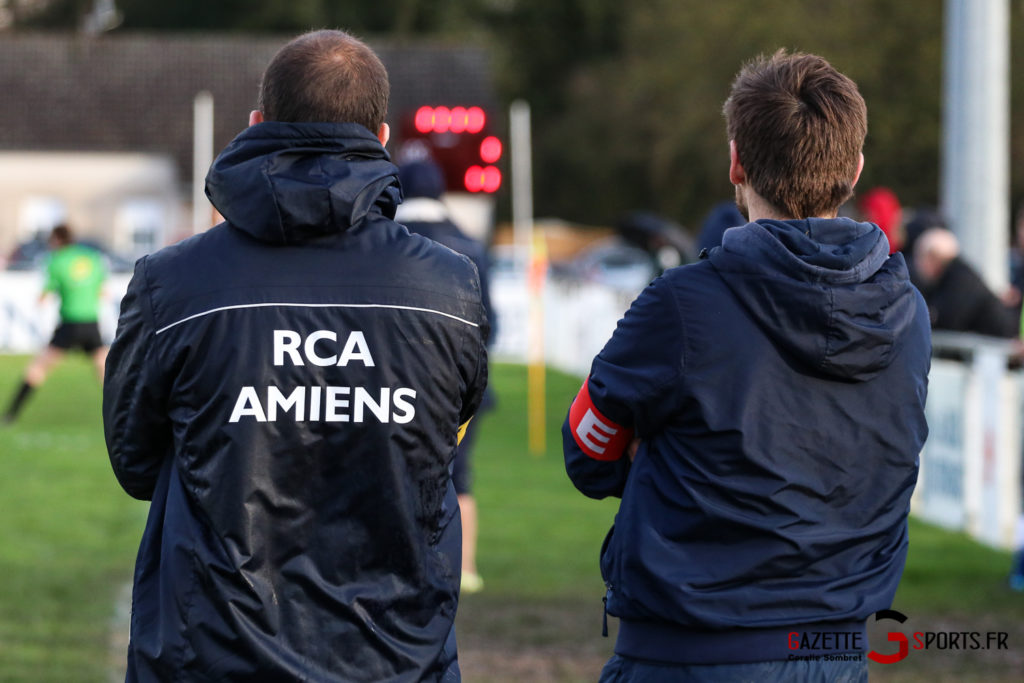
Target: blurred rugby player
[{"x": 76, "y": 274}]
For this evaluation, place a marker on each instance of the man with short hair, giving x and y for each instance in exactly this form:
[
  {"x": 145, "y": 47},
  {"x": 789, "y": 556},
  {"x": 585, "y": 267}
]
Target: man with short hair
[
  {"x": 76, "y": 274},
  {"x": 288, "y": 389},
  {"x": 423, "y": 213},
  {"x": 760, "y": 413}
]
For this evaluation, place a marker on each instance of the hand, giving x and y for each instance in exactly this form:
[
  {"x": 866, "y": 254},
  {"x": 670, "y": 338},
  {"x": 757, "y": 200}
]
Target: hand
[
  {"x": 1011, "y": 297},
  {"x": 1017, "y": 352},
  {"x": 633, "y": 447}
]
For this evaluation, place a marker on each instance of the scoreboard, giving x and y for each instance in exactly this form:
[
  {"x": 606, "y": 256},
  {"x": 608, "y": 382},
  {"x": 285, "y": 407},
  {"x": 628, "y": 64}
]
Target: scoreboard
[{"x": 460, "y": 141}]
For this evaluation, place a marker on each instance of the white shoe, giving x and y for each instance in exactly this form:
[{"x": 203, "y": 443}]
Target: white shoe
[{"x": 471, "y": 583}]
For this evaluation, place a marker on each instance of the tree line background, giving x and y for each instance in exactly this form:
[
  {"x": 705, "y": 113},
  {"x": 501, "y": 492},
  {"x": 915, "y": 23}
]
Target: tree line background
[{"x": 627, "y": 96}]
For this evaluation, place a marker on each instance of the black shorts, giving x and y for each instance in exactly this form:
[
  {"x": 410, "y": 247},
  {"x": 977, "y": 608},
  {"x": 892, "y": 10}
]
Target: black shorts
[
  {"x": 85, "y": 336},
  {"x": 461, "y": 470}
]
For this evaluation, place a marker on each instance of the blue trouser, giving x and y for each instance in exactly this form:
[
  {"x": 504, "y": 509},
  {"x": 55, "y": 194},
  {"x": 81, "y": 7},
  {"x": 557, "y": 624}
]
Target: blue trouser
[{"x": 621, "y": 669}]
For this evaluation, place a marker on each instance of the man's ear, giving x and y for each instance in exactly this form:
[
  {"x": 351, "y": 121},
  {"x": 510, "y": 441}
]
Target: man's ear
[
  {"x": 737, "y": 176},
  {"x": 255, "y": 116},
  {"x": 384, "y": 134},
  {"x": 860, "y": 167}
]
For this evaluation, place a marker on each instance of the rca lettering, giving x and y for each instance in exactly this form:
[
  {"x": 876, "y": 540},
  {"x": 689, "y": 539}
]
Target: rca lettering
[{"x": 328, "y": 403}]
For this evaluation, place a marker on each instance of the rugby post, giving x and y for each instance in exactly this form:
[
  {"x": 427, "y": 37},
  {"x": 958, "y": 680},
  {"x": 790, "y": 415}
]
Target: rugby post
[
  {"x": 202, "y": 159},
  {"x": 535, "y": 266},
  {"x": 976, "y": 133}
]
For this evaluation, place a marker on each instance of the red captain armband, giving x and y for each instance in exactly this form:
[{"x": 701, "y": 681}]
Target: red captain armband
[{"x": 595, "y": 434}]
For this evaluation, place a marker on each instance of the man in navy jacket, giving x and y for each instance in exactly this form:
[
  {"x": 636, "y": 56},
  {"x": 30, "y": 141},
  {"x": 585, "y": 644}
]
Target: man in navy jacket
[
  {"x": 288, "y": 389},
  {"x": 422, "y": 212},
  {"x": 760, "y": 413}
]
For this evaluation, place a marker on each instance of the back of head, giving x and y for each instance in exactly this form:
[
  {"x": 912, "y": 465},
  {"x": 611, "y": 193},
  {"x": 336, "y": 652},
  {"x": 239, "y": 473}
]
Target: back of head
[
  {"x": 799, "y": 127},
  {"x": 939, "y": 243},
  {"x": 421, "y": 178},
  {"x": 933, "y": 252},
  {"x": 328, "y": 77},
  {"x": 61, "y": 236}
]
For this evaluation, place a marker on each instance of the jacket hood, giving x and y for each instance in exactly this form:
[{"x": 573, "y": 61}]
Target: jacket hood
[
  {"x": 289, "y": 182},
  {"x": 826, "y": 290}
]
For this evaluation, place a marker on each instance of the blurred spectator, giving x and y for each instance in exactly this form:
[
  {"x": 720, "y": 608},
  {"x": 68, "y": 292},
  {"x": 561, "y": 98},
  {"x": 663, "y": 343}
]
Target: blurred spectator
[
  {"x": 957, "y": 298},
  {"x": 423, "y": 212},
  {"x": 1017, "y": 565},
  {"x": 922, "y": 219},
  {"x": 1013, "y": 296},
  {"x": 880, "y": 206},
  {"x": 722, "y": 216},
  {"x": 1016, "y": 578}
]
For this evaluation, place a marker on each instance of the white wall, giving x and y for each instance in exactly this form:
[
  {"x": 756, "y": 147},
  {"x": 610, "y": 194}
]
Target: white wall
[{"x": 94, "y": 190}]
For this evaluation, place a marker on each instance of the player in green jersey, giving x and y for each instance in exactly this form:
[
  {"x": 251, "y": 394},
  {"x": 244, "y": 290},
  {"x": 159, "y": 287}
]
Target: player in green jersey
[{"x": 76, "y": 275}]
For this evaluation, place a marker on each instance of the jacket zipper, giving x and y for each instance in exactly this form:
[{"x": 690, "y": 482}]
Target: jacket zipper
[{"x": 604, "y": 619}]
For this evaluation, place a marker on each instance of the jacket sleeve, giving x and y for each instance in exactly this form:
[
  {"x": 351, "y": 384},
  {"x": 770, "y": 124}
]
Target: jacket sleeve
[
  {"x": 474, "y": 366},
  {"x": 990, "y": 316},
  {"x": 483, "y": 269},
  {"x": 135, "y": 419},
  {"x": 477, "y": 379},
  {"x": 630, "y": 392}
]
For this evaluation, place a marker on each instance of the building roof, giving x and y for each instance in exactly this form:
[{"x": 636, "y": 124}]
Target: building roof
[{"x": 134, "y": 92}]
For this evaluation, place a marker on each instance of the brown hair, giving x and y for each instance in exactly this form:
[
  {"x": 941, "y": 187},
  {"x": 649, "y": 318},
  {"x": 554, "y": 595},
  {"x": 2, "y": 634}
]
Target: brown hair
[
  {"x": 325, "y": 76},
  {"x": 799, "y": 127},
  {"x": 61, "y": 234}
]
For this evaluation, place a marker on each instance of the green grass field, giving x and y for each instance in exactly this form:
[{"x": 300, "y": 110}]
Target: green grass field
[
  {"x": 68, "y": 538},
  {"x": 67, "y": 533}
]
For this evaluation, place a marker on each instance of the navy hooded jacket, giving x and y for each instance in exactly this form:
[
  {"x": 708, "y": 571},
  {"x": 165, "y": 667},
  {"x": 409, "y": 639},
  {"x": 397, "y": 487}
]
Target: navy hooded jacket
[
  {"x": 778, "y": 389},
  {"x": 287, "y": 389}
]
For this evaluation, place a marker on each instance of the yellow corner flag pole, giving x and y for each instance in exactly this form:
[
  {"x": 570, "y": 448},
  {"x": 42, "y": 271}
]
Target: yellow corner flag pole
[{"x": 537, "y": 418}]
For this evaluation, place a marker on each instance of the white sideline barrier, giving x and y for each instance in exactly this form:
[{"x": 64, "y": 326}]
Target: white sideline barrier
[
  {"x": 970, "y": 476},
  {"x": 27, "y": 325},
  {"x": 579, "y": 317}
]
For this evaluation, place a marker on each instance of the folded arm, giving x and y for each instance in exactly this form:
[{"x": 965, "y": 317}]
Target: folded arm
[{"x": 629, "y": 394}]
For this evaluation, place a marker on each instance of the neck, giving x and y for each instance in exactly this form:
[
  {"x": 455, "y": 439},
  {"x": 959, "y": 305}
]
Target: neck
[{"x": 758, "y": 208}]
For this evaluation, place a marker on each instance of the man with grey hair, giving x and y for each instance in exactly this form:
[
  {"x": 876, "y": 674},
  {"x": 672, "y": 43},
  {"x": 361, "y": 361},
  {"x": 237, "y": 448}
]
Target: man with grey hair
[
  {"x": 958, "y": 299},
  {"x": 289, "y": 389}
]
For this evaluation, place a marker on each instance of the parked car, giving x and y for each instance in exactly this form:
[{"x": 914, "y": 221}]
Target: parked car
[
  {"x": 611, "y": 262},
  {"x": 32, "y": 255},
  {"x": 665, "y": 240}
]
